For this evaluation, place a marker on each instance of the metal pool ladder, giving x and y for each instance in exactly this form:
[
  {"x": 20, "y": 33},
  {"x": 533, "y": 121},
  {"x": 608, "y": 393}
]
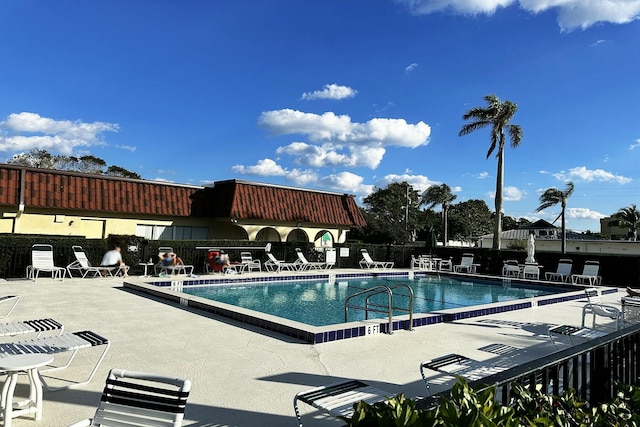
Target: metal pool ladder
[{"x": 374, "y": 307}]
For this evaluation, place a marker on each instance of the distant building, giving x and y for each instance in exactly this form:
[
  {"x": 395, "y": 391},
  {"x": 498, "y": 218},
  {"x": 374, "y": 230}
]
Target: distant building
[
  {"x": 51, "y": 202},
  {"x": 609, "y": 227}
]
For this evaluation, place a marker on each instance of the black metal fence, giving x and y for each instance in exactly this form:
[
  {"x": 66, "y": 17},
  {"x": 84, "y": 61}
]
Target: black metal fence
[{"x": 593, "y": 369}]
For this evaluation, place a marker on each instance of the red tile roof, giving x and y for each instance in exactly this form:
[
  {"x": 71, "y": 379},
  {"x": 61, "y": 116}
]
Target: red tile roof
[
  {"x": 251, "y": 200},
  {"x": 46, "y": 188}
]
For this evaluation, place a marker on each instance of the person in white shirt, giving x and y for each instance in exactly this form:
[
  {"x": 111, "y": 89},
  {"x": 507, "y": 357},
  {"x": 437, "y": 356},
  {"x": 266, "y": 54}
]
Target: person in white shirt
[{"x": 113, "y": 258}]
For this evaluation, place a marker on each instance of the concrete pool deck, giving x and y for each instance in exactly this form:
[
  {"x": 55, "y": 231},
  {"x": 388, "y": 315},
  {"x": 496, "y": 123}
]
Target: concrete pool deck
[{"x": 245, "y": 376}]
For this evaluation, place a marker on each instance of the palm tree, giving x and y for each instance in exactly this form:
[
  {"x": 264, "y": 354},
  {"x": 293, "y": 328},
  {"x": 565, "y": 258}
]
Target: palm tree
[
  {"x": 553, "y": 196},
  {"x": 439, "y": 195},
  {"x": 629, "y": 217},
  {"x": 496, "y": 114}
]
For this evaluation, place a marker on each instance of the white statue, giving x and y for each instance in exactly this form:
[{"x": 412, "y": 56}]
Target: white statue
[{"x": 531, "y": 249}]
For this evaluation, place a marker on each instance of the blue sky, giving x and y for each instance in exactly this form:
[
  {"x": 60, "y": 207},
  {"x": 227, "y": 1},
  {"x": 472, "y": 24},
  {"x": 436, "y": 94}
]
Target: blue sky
[{"x": 334, "y": 95}]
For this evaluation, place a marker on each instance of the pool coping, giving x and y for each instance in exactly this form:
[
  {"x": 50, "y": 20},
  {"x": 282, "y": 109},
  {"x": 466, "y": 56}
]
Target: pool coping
[{"x": 170, "y": 290}]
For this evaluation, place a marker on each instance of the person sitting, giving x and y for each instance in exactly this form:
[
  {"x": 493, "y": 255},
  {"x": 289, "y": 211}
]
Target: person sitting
[
  {"x": 169, "y": 259},
  {"x": 633, "y": 292},
  {"x": 113, "y": 258}
]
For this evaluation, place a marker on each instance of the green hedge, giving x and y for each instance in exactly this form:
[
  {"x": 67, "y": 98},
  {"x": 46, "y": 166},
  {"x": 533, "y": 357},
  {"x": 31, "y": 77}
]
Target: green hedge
[{"x": 467, "y": 407}]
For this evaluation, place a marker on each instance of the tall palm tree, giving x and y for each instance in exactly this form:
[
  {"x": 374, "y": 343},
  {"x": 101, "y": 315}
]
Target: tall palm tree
[
  {"x": 496, "y": 114},
  {"x": 553, "y": 196},
  {"x": 629, "y": 217},
  {"x": 439, "y": 195}
]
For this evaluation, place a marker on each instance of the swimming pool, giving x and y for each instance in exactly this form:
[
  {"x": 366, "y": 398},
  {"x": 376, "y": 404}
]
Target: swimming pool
[
  {"x": 321, "y": 303},
  {"x": 311, "y": 284}
]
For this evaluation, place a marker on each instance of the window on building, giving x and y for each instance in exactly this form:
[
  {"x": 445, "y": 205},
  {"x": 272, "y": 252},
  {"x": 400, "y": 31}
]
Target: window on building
[{"x": 161, "y": 232}]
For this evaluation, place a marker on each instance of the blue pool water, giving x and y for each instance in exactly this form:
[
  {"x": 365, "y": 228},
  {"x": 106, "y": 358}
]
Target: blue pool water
[{"x": 320, "y": 303}]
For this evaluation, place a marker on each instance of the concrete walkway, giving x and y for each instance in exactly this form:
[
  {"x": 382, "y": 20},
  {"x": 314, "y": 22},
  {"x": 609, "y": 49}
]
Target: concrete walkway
[{"x": 244, "y": 376}]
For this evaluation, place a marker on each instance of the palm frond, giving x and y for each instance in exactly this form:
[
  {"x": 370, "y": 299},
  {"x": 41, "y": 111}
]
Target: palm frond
[
  {"x": 470, "y": 127},
  {"x": 515, "y": 135}
]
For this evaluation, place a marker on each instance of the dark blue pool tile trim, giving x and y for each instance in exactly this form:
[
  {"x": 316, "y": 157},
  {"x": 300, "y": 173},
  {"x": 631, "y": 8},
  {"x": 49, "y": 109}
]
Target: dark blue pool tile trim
[
  {"x": 451, "y": 317},
  {"x": 563, "y": 298}
]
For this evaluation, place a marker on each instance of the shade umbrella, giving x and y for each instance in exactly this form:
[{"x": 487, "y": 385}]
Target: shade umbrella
[{"x": 531, "y": 249}]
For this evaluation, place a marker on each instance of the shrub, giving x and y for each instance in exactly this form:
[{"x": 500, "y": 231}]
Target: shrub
[{"x": 468, "y": 407}]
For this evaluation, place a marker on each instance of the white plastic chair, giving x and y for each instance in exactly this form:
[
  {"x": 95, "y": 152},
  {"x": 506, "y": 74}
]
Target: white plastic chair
[
  {"x": 251, "y": 264},
  {"x": 367, "y": 262},
  {"x": 133, "y": 398},
  {"x": 42, "y": 260},
  {"x": 82, "y": 264},
  {"x": 531, "y": 271},
  {"x": 466, "y": 265},
  {"x": 589, "y": 274},
  {"x": 562, "y": 273},
  {"x": 596, "y": 308}
]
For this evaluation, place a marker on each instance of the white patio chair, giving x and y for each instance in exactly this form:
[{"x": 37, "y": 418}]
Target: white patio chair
[
  {"x": 42, "y": 260},
  {"x": 466, "y": 265},
  {"x": 367, "y": 262},
  {"x": 589, "y": 274},
  {"x": 511, "y": 268},
  {"x": 562, "y": 273},
  {"x": 251, "y": 264},
  {"x": 531, "y": 271},
  {"x": 133, "y": 398},
  {"x": 159, "y": 268},
  {"x": 276, "y": 265},
  {"x": 83, "y": 266},
  {"x": 309, "y": 265},
  {"x": 595, "y": 307}
]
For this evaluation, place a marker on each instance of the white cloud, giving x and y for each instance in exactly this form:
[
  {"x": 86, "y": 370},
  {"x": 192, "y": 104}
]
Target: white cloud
[
  {"x": 636, "y": 145},
  {"x": 332, "y": 91},
  {"x": 571, "y": 13},
  {"x": 329, "y": 127},
  {"x": 268, "y": 167},
  {"x": 596, "y": 43},
  {"x": 333, "y": 155},
  {"x": 162, "y": 180},
  {"x": 583, "y": 213},
  {"x": 264, "y": 167},
  {"x": 25, "y": 131},
  {"x": 418, "y": 182},
  {"x": 346, "y": 182},
  {"x": 509, "y": 194},
  {"x": 409, "y": 68},
  {"x": 126, "y": 147},
  {"x": 483, "y": 175},
  {"x": 581, "y": 173}
]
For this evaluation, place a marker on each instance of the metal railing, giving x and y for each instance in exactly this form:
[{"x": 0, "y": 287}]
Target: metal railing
[
  {"x": 593, "y": 369},
  {"x": 370, "y": 306}
]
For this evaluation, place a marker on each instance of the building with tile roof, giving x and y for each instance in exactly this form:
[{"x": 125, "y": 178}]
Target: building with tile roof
[{"x": 46, "y": 201}]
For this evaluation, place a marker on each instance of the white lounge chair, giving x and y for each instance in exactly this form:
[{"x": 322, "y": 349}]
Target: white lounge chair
[
  {"x": 367, "y": 262},
  {"x": 595, "y": 307},
  {"x": 531, "y": 271},
  {"x": 511, "y": 268},
  {"x": 589, "y": 274},
  {"x": 251, "y": 264},
  {"x": 36, "y": 326},
  {"x": 337, "y": 399},
  {"x": 42, "y": 260},
  {"x": 140, "y": 399},
  {"x": 73, "y": 342},
  {"x": 15, "y": 299},
  {"x": 309, "y": 265},
  {"x": 562, "y": 273},
  {"x": 456, "y": 364},
  {"x": 84, "y": 267},
  {"x": 276, "y": 265},
  {"x": 159, "y": 268},
  {"x": 466, "y": 265}
]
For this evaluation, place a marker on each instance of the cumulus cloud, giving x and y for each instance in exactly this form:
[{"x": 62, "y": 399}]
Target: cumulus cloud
[
  {"x": 483, "y": 175},
  {"x": 333, "y": 155},
  {"x": 635, "y": 145},
  {"x": 583, "y": 213},
  {"x": 346, "y": 182},
  {"x": 332, "y": 91},
  {"x": 418, "y": 182},
  {"x": 509, "y": 194},
  {"x": 25, "y": 131},
  {"x": 264, "y": 167},
  {"x": 572, "y": 14},
  {"x": 268, "y": 167},
  {"x": 581, "y": 173},
  {"x": 329, "y": 127},
  {"x": 409, "y": 68}
]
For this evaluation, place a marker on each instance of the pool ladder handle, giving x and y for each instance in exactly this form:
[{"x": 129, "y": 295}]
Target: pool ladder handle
[{"x": 378, "y": 308}]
